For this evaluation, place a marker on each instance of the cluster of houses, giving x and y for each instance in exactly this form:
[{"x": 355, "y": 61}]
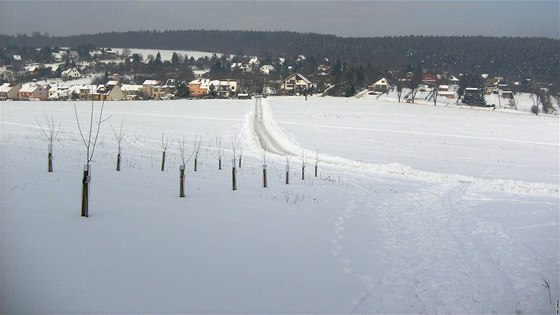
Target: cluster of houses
[
  {"x": 448, "y": 85},
  {"x": 113, "y": 90}
]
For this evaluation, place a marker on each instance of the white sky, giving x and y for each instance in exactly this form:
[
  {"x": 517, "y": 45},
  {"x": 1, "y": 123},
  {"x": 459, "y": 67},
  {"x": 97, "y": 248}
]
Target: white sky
[{"x": 343, "y": 18}]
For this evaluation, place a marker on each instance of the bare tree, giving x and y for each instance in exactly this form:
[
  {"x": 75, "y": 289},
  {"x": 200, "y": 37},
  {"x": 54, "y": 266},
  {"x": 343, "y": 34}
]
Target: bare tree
[
  {"x": 119, "y": 137},
  {"x": 196, "y": 149},
  {"x": 51, "y": 135},
  {"x": 165, "y": 144},
  {"x": 234, "y": 149},
  {"x": 89, "y": 138}
]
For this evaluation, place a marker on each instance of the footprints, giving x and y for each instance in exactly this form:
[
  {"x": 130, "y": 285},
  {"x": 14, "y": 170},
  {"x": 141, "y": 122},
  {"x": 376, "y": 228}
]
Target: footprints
[{"x": 339, "y": 236}]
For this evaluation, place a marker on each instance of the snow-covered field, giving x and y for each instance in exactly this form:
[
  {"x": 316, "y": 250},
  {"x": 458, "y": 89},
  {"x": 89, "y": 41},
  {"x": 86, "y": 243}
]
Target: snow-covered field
[{"x": 416, "y": 209}]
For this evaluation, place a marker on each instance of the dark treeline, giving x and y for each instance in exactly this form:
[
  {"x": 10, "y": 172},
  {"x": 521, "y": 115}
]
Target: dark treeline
[{"x": 515, "y": 58}]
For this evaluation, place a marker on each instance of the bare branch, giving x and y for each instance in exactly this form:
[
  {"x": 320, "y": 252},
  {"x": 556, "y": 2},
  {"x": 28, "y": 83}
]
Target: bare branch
[
  {"x": 165, "y": 144},
  {"x": 100, "y": 121},
  {"x": 80, "y": 128}
]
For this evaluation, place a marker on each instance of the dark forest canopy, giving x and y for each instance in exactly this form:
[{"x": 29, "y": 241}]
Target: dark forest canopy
[{"x": 513, "y": 57}]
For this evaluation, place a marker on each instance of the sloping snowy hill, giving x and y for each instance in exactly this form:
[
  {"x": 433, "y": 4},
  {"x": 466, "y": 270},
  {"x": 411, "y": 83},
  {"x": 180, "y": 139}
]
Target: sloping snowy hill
[{"x": 406, "y": 216}]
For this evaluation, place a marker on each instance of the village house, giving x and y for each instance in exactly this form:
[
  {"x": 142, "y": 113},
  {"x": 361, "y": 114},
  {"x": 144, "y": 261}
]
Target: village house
[
  {"x": 196, "y": 89},
  {"x": 70, "y": 74},
  {"x": 381, "y": 86},
  {"x": 254, "y": 62},
  {"x": 429, "y": 79},
  {"x": 9, "y": 91},
  {"x": 132, "y": 91},
  {"x": 266, "y": 69},
  {"x": 226, "y": 88},
  {"x": 59, "y": 92},
  {"x": 109, "y": 92},
  {"x": 295, "y": 83},
  {"x": 148, "y": 87},
  {"x": 33, "y": 91},
  {"x": 444, "y": 91}
]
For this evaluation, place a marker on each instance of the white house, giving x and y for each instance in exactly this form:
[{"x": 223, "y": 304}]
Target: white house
[
  {"x": 70, "y": 74},
  {"x": 267, "y": 69},
  {"x": 9, "y": 91},
  {"x": 254, "y": 61},
  {"x": 380, "y": 86},
  {"x": 226, "y": 88},
  {"x": 295, "y": 83}
]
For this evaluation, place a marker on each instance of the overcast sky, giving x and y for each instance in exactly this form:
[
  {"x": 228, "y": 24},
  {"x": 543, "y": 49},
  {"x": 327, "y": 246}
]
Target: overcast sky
[{"x": 343, "y": 18}]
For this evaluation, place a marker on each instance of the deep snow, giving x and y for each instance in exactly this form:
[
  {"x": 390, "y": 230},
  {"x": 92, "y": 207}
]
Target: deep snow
[{"x": 417, "y": 209}]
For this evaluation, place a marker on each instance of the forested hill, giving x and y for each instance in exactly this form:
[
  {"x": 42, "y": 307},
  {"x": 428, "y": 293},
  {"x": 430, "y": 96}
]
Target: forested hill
[{"x": 536, "y": 58}]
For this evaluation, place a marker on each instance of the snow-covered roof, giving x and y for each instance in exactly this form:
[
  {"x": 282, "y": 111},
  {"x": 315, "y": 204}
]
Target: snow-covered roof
[
  {"x": 254, "y": 60},
  {"x": 28, "y": 87},
  {"x": 381, "y": 81},
  {"x": 151, "y": 82},
  {"x": 112, "y": 82},
  {"x": 17, "y": 57},
  {"x": 5, "y": 88},
  {"x": 131, "y": 87}
]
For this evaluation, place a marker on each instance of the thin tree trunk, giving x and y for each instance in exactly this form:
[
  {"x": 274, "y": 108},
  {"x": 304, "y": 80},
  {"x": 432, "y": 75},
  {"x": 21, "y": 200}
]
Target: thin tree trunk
[
  {"x": 119, "y": 160},
  {"x": 85, "y": 192},
  {"x": 195, "y": 164},
  {"x": 233, "y": 178},
  {"x": 303, "y": 172},
  {"x": 182, "y": 181},
  {"x": 287, "y": 176},
  {"x": 220, "y": 163},
  {"x": 50, "y": 158},
  {"x": 264, "y": 177},
  {"x": 240, "y": 161},
  {"x": 315, "y": 170},
  {"x": 163, "y": 161}
]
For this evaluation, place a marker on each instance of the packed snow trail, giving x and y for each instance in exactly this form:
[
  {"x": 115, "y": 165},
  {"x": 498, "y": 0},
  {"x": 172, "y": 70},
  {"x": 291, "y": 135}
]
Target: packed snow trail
[{"x": 271, "y": 137}]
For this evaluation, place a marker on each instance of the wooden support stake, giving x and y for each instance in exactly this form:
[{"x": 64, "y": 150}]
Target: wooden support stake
[
  {"x": 182, "y": 181},
  {"x": 233, "y": 178},
  {"x": 315, "y": 170},
  {"x": 163, "y": 161},
  {"x": 50, "y": 158},
  {"x": 264, "y": 177},
  {"x": 85, "y": 192},
  {"x": 119, "y": 160},
  {"x": 303, "y": 172}
]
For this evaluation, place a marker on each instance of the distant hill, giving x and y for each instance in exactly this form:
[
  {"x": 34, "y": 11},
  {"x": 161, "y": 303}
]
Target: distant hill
[{"x": 515, "y": 58}]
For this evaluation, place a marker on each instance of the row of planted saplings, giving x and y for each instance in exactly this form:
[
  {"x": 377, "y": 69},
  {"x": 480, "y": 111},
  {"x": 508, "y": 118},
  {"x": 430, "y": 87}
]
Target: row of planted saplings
[{"x": 90, "y": 136}]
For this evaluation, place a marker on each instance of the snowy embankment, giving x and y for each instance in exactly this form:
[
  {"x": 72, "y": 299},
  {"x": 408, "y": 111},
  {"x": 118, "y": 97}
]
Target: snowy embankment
[{"x": 356, "y": 239}]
